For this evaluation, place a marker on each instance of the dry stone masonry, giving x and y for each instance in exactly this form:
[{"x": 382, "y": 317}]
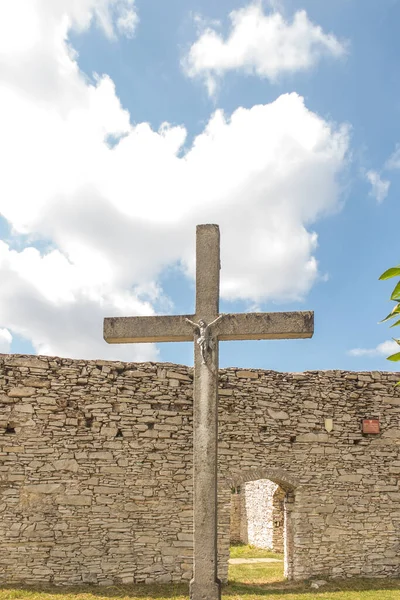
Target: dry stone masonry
[{"x": 96, "y": 469}]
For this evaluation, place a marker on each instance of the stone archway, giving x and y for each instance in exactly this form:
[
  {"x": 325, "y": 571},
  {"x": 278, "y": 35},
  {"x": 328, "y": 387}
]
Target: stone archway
[{"x": 283, "y": 503}]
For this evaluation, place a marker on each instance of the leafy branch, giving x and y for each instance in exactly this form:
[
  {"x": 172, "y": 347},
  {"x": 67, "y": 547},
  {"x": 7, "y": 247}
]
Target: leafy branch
[{"x": 393, "y": 272}]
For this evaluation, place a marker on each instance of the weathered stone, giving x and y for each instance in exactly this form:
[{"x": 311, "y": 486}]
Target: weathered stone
[
  {"x": 21, "y": 392},
  {"x": 24, "y": 408},
  {"x": 43, "y": 488},
  {"x": 313, "y": 437},
  {"x": 278, "y": 414},
  {"x": 222, "y": 392},
  {"x": 392, "y": 433},
  {"x": 247, "y": 374},
  {"x": 138, "y": 374},
  {"x": 68, "y": 464},
  {"x": 74, "y": 500},
  {"x": 29, "y": 362},
  {"x": 92, "y": 551},
  {"x": 101, "y": 455},
  {"x": 391, "y": 400},
  {"x": 14, "y": 449},
  {"x": 350, "y": 478},
  {"x": 177, "y": 375},
  {"x": 36, "y": 383}
]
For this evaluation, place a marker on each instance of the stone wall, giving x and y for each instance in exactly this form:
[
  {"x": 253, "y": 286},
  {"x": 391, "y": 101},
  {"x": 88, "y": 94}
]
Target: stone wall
[
  {"x": 95, "y": 468},
  {"x": 235, "y": 536},
  {"x": 278, "y": 519}
]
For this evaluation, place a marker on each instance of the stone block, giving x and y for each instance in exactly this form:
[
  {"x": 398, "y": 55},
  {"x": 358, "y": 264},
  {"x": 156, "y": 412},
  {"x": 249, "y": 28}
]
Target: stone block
[
  {"x": 101, "y": 455},
  {"x": 43, "y": 488},
  {"x": 177, "y": 375},
  {"x": 350, "y": 478},
  {"x": 36, "y": 383},
  {"x": 21, "y": 392},
  {"x": 74, "y": 500},
  {"x": 313, "y": 437},
  {"x": 137, "y": 373},
  {"x": 247, "y": 374},
  {"x": 222, "y": 392},
  {"x": 28, "y": 362},
  {"x": 68, "y": 464},
  {"x": 391, "y": 400},
  {"x": 279, "y": 415},
  {"x": 14, "y": 449},
  {"x": 393, "y": 434}
]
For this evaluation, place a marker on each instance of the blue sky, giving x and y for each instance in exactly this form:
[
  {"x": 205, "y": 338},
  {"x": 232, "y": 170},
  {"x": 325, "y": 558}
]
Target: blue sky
[{"x": 280, "y": 125}]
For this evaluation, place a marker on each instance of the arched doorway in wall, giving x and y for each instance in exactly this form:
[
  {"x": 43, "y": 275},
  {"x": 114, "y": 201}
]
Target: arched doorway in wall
[
  {"x": 257, "y": 515},
  {"x": 260, "y": 507}
]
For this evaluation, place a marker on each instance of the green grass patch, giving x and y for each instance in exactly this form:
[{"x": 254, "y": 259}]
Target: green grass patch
[
  {"x": 247, "y": 551},
  {"x": 257, "y": 574},
  {"x": 246, "y": 582},
  {"x": 265, "y": 580}
]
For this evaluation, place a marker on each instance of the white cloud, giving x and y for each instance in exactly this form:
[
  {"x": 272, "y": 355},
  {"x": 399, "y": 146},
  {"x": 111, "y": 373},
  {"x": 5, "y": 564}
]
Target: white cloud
[
  {"x": 26, "y": 24},
  {"x": 127, "y": 20},
  {"x": 383, "y": 349},
  {"x": 394, "y": 160},
  {"x": 379, "y": 187},
  {"x": 260, "y": 44},
  {"x": 115, "y": 217},
  {"x": 5, "y": 341}
]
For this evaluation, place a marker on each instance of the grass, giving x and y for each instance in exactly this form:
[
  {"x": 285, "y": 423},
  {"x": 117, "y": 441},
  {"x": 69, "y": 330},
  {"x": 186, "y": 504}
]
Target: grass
[
  {"x": 247, "y": 551},
  {"x": 265, "y": 580},
  {"x": 246, "y": 582}
]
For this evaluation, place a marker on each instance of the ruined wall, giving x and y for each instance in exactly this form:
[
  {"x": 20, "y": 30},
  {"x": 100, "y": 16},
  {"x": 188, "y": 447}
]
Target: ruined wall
[{"x": 95, "y": 468}]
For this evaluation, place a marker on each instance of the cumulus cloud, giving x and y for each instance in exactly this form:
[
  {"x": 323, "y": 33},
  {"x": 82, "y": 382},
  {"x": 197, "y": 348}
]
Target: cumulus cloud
[
  {"x": 101, "y": 221},
  {"x": 5, "y": 341},
  {"x": 379, "y": 187},
  {"x": 383, "y": 349},
  {"x": 260, "y": 44}
]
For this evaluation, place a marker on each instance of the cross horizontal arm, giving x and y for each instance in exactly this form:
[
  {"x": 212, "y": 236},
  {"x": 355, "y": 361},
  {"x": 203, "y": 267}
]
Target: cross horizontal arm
[
  {"x": 125, "y": 330},
  {"x": 265, "y": 326}
]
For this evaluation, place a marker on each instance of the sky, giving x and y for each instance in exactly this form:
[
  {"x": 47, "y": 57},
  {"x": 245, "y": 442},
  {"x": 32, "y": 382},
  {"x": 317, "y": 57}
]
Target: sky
[{"x": 124, "y": 123}]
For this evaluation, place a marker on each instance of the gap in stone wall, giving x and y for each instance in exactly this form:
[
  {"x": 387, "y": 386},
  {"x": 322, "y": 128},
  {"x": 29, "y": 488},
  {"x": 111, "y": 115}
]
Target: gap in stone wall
[{"x": 257, "y": 515}]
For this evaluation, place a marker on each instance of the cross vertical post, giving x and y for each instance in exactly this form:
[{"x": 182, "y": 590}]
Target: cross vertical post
[{"x": 205, "y": 584}]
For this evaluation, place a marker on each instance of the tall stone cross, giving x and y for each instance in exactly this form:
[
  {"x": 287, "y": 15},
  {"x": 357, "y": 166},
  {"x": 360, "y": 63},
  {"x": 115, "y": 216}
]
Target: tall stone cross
[{"x": 208, "y": 328}]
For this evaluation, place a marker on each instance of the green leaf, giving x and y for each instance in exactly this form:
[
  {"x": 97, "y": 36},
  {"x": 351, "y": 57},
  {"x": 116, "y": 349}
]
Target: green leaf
[
  {"x": 397, "y": 341},
  {"x": 397, "y": 323},
  {"x": 395, "y": 311},
  {"x": 396, "y": 384},
  {"x": 396, "y": 292},
  {"x": 393, "y": 272},
  {"x": 394, "y": 357}
]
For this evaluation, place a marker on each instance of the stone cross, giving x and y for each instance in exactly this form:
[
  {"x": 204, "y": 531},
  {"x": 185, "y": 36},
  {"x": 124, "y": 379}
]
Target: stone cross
[{"x": 208, "y": 328}]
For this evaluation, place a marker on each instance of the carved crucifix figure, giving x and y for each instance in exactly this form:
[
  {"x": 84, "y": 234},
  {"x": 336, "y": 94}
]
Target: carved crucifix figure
[
  {"x": 208, "y": 328},
  {"x": 204, "y": 338}
]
